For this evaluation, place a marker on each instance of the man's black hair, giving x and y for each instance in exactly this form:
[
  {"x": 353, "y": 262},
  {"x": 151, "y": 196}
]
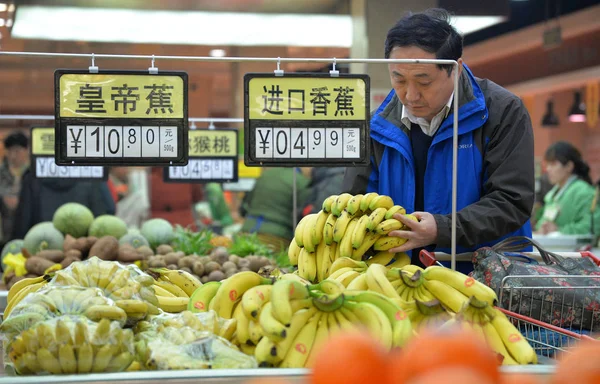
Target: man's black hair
[
  {"x": 16, "y": 139},
  {"x": 430, "y": 31}
]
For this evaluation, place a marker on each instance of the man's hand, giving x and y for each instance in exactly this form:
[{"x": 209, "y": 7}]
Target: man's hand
[{"x": 421, "y": 233}]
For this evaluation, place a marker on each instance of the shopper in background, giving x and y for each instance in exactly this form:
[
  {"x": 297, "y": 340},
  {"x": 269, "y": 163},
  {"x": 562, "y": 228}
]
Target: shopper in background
[
  {"x": 411, "y": 145},
  {"x": 568, "y": 205},
  {"x": 40, "y": 198},
  {"x": 325, "y": 181},
  {"x": 16, "y": 161},
  {"x": 543, "y": 186},
  {"x": 268, "y": 208},
  {"x": 174, "y": 202}
]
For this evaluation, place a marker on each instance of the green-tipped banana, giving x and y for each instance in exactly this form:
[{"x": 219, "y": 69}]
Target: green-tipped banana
[
  {"x": 202, "y": 297},
  {"x": 282, "y": 293},
  {"x": 381, "y": 201},
  {"x": 375, "y": 218},
  {"x": 328, "y": 229},
  {"x": 388, "y": 226},
  {"x": 316, "y": 231},
  {"x": 366, "y": 201},
  {"x": 392, "y": 211},
  {"x": 293, "y": 252},
  {"x": 360, "y": 230},
  {"x": 347, "y": 262},
  {"x": 368, "y": 241},
  {"x": 353, "y": 205},
  {"x": 340, "y": 204},
  {"x": 345, "y": 244},
  {"x": 307, "y": 239},
  {"x": 299, "y": 233},
  {"x": 328, "y": 202},
  {"x": 341, "y": 225}
]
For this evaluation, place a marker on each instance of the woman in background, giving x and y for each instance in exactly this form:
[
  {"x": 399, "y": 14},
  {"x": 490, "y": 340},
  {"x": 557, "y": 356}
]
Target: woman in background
[{"x": 568, "y": 205}]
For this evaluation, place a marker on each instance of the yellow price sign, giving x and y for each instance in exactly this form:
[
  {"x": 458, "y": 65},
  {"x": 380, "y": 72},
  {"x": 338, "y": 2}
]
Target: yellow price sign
[
  {"x": 109, "y": 95},
  {"x": 42, "y": 141},
  {"x": 307, "y": 98},
  {"x": 248, "y": 172},
  {"x": 213, "y": 143}
]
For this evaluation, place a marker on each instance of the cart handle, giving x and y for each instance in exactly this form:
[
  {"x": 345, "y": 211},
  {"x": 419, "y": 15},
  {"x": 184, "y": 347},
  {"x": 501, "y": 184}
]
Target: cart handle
[
  {"x": 428, "y": 258},
  {"x": 594, "y": 258}
]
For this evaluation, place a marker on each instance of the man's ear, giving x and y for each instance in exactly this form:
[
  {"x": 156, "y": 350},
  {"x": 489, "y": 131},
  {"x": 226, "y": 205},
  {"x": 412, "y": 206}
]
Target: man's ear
[{"x": 460, "y": 66}]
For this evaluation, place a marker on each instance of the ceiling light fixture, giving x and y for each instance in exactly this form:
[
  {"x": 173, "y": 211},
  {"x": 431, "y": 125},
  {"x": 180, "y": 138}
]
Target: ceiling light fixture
[
  {"x": 577, "y": 111},
  {"x": 550, "y": 119},
  {"x": 217, "y": 53},
  {"x": 3, "y": 7}
]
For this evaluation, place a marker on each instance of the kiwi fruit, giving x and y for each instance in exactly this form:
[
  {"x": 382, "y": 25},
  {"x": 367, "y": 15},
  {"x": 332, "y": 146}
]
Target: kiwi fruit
[
  {"x": 211, "y": 266},
  {"x": 244, "y": 269},
  {"x": 230, "y": 272},
  {"x": 198, "y": 268},
  {"x": 220, "y": 255},
  {"x": 234, "y": 258},
  {"x": 186, "y": 262},
  {"x": 186, "y": 269},
  {"x": 173, "y": 266},
  {"x": 163, "y": 249},
  {"x": 204, "y": 279},
  {"x": 243, "y": 263},
  {"x": 216, "y": 276},
  {"x": 229, "y": 265},
  {"x": 145, "y": 250},
  {"x": 172, "y": 258}
]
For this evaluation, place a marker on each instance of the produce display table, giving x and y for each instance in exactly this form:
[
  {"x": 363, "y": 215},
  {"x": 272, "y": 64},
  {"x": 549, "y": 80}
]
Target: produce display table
[{"x": 233, "y": 376}]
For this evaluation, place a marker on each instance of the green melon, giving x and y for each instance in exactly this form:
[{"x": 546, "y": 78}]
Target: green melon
[
  {"x": 135, "y": 240},
  {"x": 108, "y": 225},
  {"x": 73, "y": 219},
  {"x": 14, "y": 247},
  {"x": 157, "y": 232},
  {"x": 43, "y": 236}
]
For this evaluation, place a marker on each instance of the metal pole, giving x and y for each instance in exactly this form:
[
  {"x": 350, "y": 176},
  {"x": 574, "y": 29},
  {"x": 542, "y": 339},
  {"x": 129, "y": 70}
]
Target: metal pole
[
  {"x": 454, "y": 169},
  {"x": 294, "y": 200}
]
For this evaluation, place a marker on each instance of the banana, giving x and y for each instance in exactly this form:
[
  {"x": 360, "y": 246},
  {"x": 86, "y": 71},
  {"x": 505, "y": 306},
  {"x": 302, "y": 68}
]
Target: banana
[
  {"x": 133, "y": 307},
  {"x": 359, "y": 283},
  {"x": 299, "y": 233},
  {"x": 447, "y": 295},
  {"x": 375, "y": 320},
  {"x": 328, "y": 202},
  {"x": 107, "y": 273},
  {"x": 328, "y": 229},
  {"x": 360, "y": 231},
  {"x": 345, "y": 244},
  {"x": 316, "y": 231},
  {"x": 19, "y": 285},
  {"x": 282, "y": 293},
  {"x": 346, "y": 278},
  {"x": 412, "y": 269},
  {"x": 369, "y": 240},
  {"x": 327, "y": 257},
  {"x": 254, "y": 299},
  {"x": 299, "y": 320},
  {"x": 515, "y": 343},
  {"x": 233, "y": 288},
  {"x": 16, "y": 299},
  {"x": 115, "y": 282},
  {"x": 160, "y": 291},
  {"x": 341, "y": 226},
  {"x": 401, "y": 260},
  {"x": 353, "y": 205},
  {"x": 173, "y": 304},
  {"x": 102, "y": 358},
  {"x": 102, "y": 333},
  {"x": 307, "y": 265},
  {"x": 340, "y": 204},
  {"x": 381, "y": 201},
  {"x": 307, "y": 240},
  {"x": 63, "y": 333},
  {"x": 66, "y": 358},
  {"x": 377, "y": 281},
  {"x": 48, "y": 362},
  {"x": 120, "y": 362},
  {"x": 111, "y": 312},
  {"x": 184, "y": 280},
  {"x": 271, "y": 327},
  {"x": 345, "y": 324},
  {"x": 31, "y": 362},
  {"x": 203, "y": 297},
  {"x": 392, "y": 211},
  {"x": 297, "y": 354},
  {"x": 293, "y": 252},
  {"x": 265, "y": 353},
  {"x": 293, "y": 276},
  {"x": 366, "y": 201},
  {"x": 333, "y": 327},
  {"x": 46, "y": 337},
  {"x": 375, "y": 218},
  {"x": 493, "y": 339},
  {"x": 249, "y": 350},
  {"x": 382, "y": 257},
  {"x": 243, "y": 324},
  {"x": 169, "y": 286},
  {"x": 321, "y": 337},
  {"x": 328, "y": 286},
  {"x": 467, "y": 285},
  {"x": 387, "y": 226},
  {"x": 388, "y": 242},
  {"x": 347, "y": 262}
]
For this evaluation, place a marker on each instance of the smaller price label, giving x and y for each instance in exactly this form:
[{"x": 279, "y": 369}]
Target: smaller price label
[{"x": 46, "y": 168}]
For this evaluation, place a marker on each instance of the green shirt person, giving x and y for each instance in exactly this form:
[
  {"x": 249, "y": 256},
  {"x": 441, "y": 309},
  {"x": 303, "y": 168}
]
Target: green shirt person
[{"x": 568, "y": 205}]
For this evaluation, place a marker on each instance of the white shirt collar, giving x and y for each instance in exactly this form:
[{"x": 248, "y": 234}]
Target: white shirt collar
[{"x": 428, "y": 128}]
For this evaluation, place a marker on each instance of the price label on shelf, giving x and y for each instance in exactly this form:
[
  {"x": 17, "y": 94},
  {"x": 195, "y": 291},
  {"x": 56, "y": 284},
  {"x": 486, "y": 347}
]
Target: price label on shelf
[
  {"x": 121, "y": 117},
  {"x": 43, "y": 164},
  {"x": 306, "y": 120},
  {"x": 213, "y": 157}
]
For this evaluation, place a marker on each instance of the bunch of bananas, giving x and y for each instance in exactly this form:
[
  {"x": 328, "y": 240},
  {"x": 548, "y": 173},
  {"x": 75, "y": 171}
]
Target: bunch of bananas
[
  {"x": 173, "y": 288},
  {"x": 492, "y": 326},
  {"x": 70, "y": 344},
  {"x": 22, "y": 288},
  {"x": 288, "y": 329},
  {"x": 427, "y": 314},
  {"x": 347, "y": 226}
]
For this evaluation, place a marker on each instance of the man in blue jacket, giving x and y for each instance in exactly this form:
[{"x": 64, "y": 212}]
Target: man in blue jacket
[{"x": 411, "y": 144}]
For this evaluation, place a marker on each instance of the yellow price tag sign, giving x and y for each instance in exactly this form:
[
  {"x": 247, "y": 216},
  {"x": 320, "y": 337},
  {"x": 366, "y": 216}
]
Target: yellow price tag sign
[
  {"x": 42, "y": 141},
  {"x": 213, "y": 143}
]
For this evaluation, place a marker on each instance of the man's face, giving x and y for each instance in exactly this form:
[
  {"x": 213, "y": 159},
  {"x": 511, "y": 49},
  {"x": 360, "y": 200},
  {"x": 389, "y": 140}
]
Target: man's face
[
  {"x": 424, "y": 89},
  {"x": 17, "y": 156}
]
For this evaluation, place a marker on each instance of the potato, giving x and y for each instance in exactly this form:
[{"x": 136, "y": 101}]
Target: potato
[
  {"x": 37, "y": 265},
  {"x": 157, "y": 262},
  {"x": 216, "y": 276},
  {"x": 198, "y": 268},
  {"x": 255, "y": 263},
  {"x": 54, "y": 255},
  {"x": 186, "y": 269},
  {"x": 163, "y": 249},
  {"x": 234, "y": 258},
  {"x": 173, "y": 266},
  {"x": 172, "y": 258},
  {"x": 204, "y": 279},
  {"x": 230, "y": 272},
  {"x": 220, "y": 255},
  {"x": 187, "y": 262},
  {"x": 105, "y": 248},
  {"x": 205, "y": 259},
  {"x": 243, "y": 263},
  {"x": 244, "y": 269},
  {"x": 69, "y": 243},
  {"x": 68, "y": 261},
  {"x": 211, "y": 266},
  {"x": 145, "y": 250},
  {"x": 73, "y": 253},
  {"x": 128, "y": 254},
  {"x": 229, "y": 265},
  {"x": 83, "y": 244}
]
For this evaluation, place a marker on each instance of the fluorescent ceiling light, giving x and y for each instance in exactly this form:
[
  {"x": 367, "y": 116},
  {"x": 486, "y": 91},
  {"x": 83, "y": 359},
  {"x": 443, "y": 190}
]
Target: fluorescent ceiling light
[
  {"x": 468, "y": 24},
  {"x": 11, "y": 8},
  {"x": 177, "y": 27},
  {"x": 1, "y": 22},
  {"x": 217, "y": 53},
  {"x": 3, "y": 7}
]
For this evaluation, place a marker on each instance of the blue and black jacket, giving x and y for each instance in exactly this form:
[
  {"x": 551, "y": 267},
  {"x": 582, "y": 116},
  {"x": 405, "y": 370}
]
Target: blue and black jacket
[{"x": 495, "y": 165}]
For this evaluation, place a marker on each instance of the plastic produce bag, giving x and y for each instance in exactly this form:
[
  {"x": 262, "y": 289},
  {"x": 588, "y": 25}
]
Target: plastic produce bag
[
  {"x": 71, "y": 344},
  {"x": 202, "y": 321},
  {"x": 54, "y": 301},
  {"x": 127, "y": 285},
  {"x": 205, "y": 351}
]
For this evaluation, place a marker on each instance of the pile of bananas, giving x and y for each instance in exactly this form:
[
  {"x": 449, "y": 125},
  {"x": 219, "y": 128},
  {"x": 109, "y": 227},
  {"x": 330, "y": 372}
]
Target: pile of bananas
[
  {"x": 173, "y": 288},
  {"x": 23, "y": 288},
  {"x": 347, "y": 226},
  {"x": 493, "y": 327},
  {"x": 68, "y": 345}
]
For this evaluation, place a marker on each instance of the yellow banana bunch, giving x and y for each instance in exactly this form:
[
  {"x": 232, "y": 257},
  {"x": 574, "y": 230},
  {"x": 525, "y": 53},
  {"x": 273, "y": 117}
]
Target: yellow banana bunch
[
  {"x": 466, "y": 285},
  {"x": 184, "y": 281},
  {"x": 430, "y": 314},
  {"x": 231, "y": 290}
]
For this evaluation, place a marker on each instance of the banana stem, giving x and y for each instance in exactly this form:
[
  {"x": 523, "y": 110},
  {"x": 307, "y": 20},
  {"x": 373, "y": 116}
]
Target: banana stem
[{"x": 327, "y": 303}]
